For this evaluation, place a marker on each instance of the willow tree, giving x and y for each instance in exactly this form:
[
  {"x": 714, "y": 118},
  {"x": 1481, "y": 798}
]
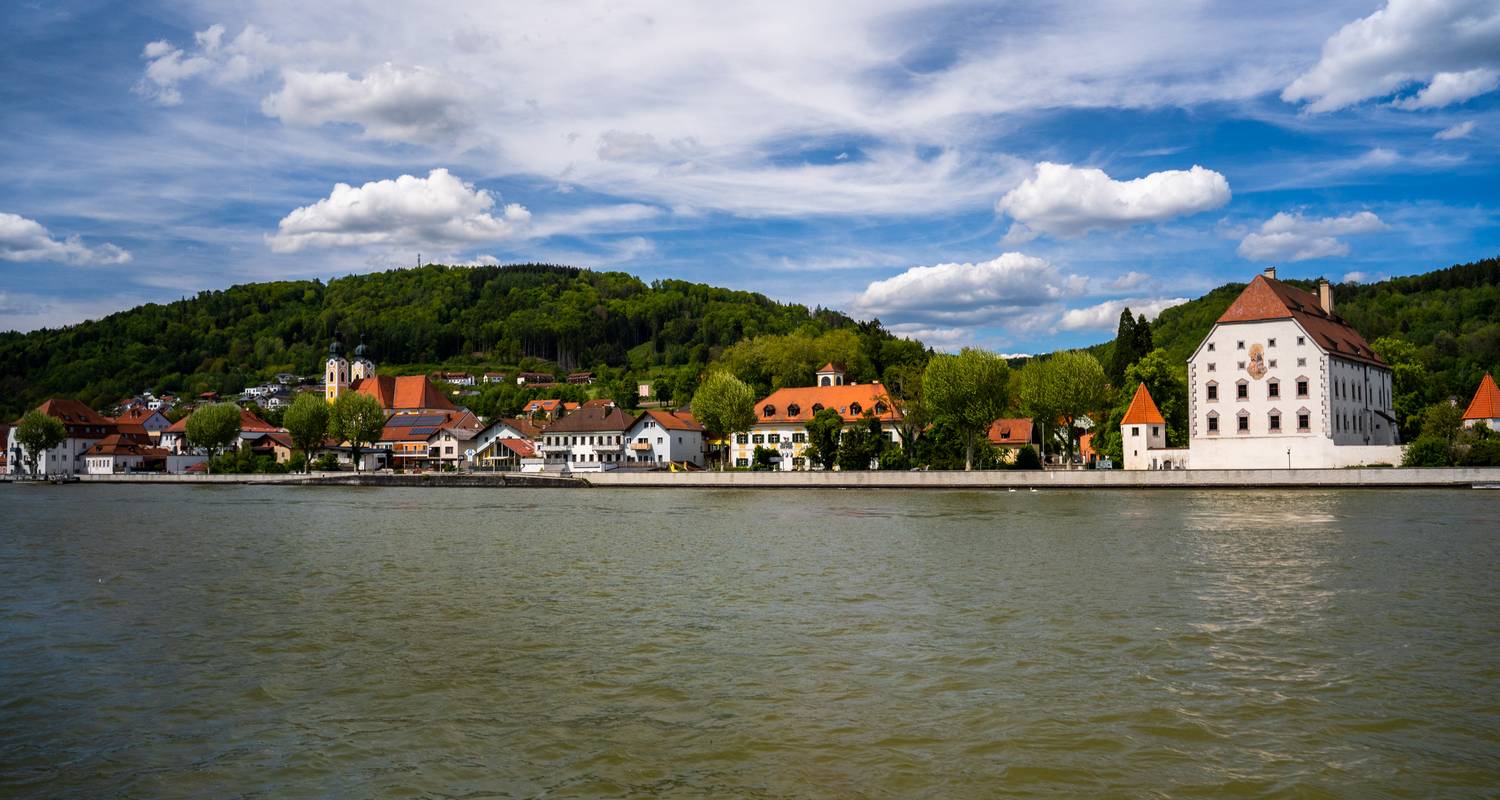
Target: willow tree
[{"x": 967, "y": 391}]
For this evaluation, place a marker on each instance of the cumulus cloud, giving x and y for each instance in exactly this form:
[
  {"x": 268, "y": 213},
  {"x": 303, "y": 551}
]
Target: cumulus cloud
[
  {"x": 1064, "y": 200},
  {"x": 23, "y": 239},
  {"x": 438, "y": 209},
  {"x": 1293, "y": 237},
  {"x": 958, "y": 294},
  {"x": 1448, "y": 88},
  {"x": 405, "y": 105},
  {"x": 168, "y": 66},
  {"x": 1451, "y": 46},
  {"x": 1106, "y": 315},
  {"x": 1458, "y": 131}
]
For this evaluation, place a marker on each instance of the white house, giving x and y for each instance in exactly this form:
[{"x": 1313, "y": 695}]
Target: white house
[
  {"x": 587, "y": 440},
  {"x": 488, "y": 445},
  {"x": 117, "y": 454},
  {"x": 84, "y": 425},
  {"x": 782, "y": 417},
  {"x": 663, "y": 438},
  {"x": 1283, "y": 381},
  {"x": 1485, "y": 407}
]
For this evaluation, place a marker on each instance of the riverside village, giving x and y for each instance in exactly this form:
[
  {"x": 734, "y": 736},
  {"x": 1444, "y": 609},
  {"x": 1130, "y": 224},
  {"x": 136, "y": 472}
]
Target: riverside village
[{"x": 1281, "y": 381}]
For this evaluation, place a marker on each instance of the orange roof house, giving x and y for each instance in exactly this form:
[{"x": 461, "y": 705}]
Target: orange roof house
[
  {"x": 403, "y": 393},
  {"x": 1486, "y": 402},
  {"x": 674, "y": 420},
  {"x": 1142, "y": 410},
  {"x": 1008, "y": 432},
  {"x": 1267, "y": 298},
  {"x": 80, "y": 421},
  {"x": 797, "y": 405}
]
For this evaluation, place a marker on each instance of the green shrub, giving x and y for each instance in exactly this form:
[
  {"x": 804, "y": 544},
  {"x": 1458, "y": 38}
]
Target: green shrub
[
  {"x": 1426, "y": 451},
  {"x": 895, "y": 458},
  {"x": 1027, "y": 458}
]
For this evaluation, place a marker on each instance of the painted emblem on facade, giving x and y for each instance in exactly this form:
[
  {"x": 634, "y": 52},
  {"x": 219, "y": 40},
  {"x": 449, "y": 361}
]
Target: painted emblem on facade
[{"x": 1257, "y": 364}]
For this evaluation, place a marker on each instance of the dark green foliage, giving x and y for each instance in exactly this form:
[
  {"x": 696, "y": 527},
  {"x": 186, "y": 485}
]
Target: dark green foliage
[
  {"x": 1483, "y": 448},
  {"x": 823, "y": 432},
  {"x": 1027, "y": 458},
  {"x": 244, "y": 462},
  {"x": 861, "y": 444},
  {"x": 763, "y": 459},
  {"x": 328, "y": 462},
  {"x": 38, "y": 433},
  {"x": 1426, "y": 451},
  {"x": 895, "y": 458},
  {"x": 457, "y": 316}
]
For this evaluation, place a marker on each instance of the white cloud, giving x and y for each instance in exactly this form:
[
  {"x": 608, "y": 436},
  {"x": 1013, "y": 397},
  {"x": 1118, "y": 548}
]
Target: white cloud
[
  {"x": 437, "y": 209},
  {"x": 1064, "y": 200},
  {"x": 1458, "y": 131},
  {"x": 1452, "y": 46},
  {"x": 248, "y": 55},
  {"x": 388, "y": 103},
  {"x": 1356, "y": 277},
  {"x": 1293, "y": 237},
  {"x": 1105, "y": 316},
  {"x": 957, "y": 294},
  {"x": 23, "y": 239},
  {"x": 1128, "y": 281},
  {"x": 1448, "y": 88}
]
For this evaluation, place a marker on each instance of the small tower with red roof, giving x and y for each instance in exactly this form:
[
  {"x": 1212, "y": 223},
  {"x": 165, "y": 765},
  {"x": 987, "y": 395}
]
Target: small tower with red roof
[
  {"x": 1485, "y": 407},
  {"x": 1142, "y": 430}
]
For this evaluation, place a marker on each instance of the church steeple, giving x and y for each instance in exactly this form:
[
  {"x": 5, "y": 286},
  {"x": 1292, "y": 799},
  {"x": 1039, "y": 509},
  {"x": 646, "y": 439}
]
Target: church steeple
[
  {"x": 335, "y": 374},
  {"x": 362, "y": 367}
]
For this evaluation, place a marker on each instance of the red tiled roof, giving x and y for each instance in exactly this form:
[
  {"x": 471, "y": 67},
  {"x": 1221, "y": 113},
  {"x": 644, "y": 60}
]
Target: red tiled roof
[
  {"x": 81, "y": 421},
  {"x": 421, "y": 427},
  {"x": 830, "y": 367},
  {"x": 522, "y": 426},
  {"x": 1142, "y": 409},
  {"x": 592, "y": 420},
  {"x": 249, "y": 423},
  {"x": 839, "y": 398},
  {"x": 521, "y": 447},
  {"x": 403, "y": 393},
  {"x": 599, "y": 402},
  {"x": 1267, "y": 298},
  {"x": 1486, "y": 402},
  {"x": 180, "y": 426},
  {"x": 117, "y": 445},
  {"x": 675, "y": 420},
  {"x": 1010, "y": 432}
]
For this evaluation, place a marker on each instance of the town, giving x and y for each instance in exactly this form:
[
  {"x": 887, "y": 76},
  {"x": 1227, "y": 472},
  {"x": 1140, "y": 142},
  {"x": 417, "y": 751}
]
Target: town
[{"x": 1280, "y": 381}]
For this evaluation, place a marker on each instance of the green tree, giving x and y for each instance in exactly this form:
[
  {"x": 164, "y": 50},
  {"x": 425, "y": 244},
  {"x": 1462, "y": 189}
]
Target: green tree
[
  {"x": 1427, "y": 451},
  {"x": 862, "y": 444},
  {"x": 356, "y": 419},
  {"x": 903, "y": 384},
  {"x": 1167, "y": 383},
  {"x": 307, "y": 423},
  {"x": 1411, "y": 383},
  {"x": 823, "y": 433},
  {"x": 214, "y": 427},
  {"x": 1124, "y": 353},
  {"x": 38, "y": 433},
  {"x": 967, "y": 391},
  {"x": 1442, "y": 421},
  {"x": 1065, "y": 387},
  {"x": 725, "y": 405}
]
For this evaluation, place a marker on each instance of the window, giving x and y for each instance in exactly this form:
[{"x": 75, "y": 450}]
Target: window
[
  {"x": 742, "y": 462},
  {"x": 817, "y": 407},
  {"x": 1272, "y": 363},
  {"x": 1244, "y": 423},
  {"x": 757, "y": 438},
  {"x": 1213, "y": 391},
  {"x": 1270, "y": 343},
  {"x": 798, "y": 462},
  {"x": 880, "y": 407},
  {"x": 1241, "y": 391},
  {"x": 1301, "y": 362},
  {"x": 1239, "y": 365},
  {"x": 1301, "y": 387},
  {"x": 768, "y": 411},
  {"x": 799, "y": 438},
  {"x": 855, "y": 409},
  {"x": 773, "y": 438},
  {"x": 1210, "y": 347},
  {"x": 1301, "y": 340},
  {"x": 1155, "y": 431},
  {"x": 1213, "y": 423},
  {"x": 1240, "y": 345},
  {"x": 793, "y": 410},
  {"x": 1275, "y": 421},
  {"x": 1134, "y": 431},
  {"x": 1212, "y": 367},
  {"x": 1273, "y": 389},
  {"x": 742, "y": 438}
]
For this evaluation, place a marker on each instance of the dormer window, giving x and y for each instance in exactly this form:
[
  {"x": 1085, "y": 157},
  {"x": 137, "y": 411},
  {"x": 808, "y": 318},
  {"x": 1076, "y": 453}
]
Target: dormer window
[
  {"x": 793, "y": 410},
  {"x": 855, "y": 409},
  {"x": 768, "y": 411},
  {"x": 817, "y": 407},
  {"x": 880, "y": 408}
]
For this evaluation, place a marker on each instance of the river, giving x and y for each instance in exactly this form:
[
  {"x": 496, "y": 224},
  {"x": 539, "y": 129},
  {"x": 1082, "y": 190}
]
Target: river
[{"x": 182, "y": 641}]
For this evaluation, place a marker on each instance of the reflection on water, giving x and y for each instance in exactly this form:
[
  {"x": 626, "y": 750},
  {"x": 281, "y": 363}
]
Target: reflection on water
[{"x": 204, "y": 641}]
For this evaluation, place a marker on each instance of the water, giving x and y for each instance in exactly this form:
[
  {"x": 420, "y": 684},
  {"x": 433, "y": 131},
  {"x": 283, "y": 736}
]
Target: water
[{"x": 289, "y": 642}]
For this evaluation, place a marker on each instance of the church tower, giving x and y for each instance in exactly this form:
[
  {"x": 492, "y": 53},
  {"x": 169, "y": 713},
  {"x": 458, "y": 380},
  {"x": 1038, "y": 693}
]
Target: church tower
[
  {"x": 335, "y": 374},
  {"x": 362, "y": 367}
]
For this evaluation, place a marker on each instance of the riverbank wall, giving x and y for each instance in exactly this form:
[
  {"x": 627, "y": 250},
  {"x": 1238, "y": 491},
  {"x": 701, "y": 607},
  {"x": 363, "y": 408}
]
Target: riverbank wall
[{"x": 1455, "y": 477}]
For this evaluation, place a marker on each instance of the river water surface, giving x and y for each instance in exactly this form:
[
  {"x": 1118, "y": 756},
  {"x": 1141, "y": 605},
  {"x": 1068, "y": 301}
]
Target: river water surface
[{"x": 286, "y": 642}]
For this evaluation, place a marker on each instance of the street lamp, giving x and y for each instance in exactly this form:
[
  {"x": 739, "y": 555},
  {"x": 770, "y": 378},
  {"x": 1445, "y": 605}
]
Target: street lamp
[{"x": 1289, "y": 458}]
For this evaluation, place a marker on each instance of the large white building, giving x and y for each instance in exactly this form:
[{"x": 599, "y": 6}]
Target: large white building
[
  {"x": 84, "y": 426},
  {"x": 782, "y": 417},
  {"x": 1283, "y": 381}
]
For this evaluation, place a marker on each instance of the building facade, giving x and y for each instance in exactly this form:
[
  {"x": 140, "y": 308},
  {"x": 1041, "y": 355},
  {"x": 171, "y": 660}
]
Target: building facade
[
  {"x": 782, "y": 417},
  {"x": 587, "y": 440},
  {"x": 84, "y": 426},
  {"x": 663, "y": 438}
]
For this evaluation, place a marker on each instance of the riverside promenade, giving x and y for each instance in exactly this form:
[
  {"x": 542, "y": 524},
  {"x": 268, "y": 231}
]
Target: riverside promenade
[{"x": 1382, "y": 478}]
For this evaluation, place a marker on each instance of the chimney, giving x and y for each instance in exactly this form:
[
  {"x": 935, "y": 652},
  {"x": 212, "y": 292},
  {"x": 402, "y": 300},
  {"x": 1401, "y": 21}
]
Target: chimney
[
  {"x": 1270, "y": 272},
  {"x": 1325, "y": 296}
]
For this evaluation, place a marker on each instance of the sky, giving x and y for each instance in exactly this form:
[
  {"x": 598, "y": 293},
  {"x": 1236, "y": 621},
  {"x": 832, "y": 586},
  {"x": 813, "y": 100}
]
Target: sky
[{"x": 1005, "y": 175}]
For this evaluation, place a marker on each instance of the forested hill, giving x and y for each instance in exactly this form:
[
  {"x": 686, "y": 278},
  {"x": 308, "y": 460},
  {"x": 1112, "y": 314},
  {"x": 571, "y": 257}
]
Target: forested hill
[
  {"x": 420, "y": 318},
  {"x": 1450, "y": 318}
]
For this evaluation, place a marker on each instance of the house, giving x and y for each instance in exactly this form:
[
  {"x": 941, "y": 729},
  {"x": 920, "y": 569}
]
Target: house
[
  {"x": 152, "y": 422},
  {"x": 589, "y": 440},
  {"x": 1485, "y": 407},
  {"x": 535, "y": 379},
  {"x": 116, "y": 453},
  {"x": 581, "y": 378},
  {"x": 1143, "y": 436},
  {"x": 1282, "y": 381},
  {"x": 455, "y": 378},
  {"x": 253, "y": 428},
  {"x": 84, "y": 426},
  {"x": 1009, "y": 435},
  {"x": 782, "y": 417},
  {"x": 162, "y": 404},
  {"x": 495, "y": 377},
  {"x": 274, "y": 443},
  {"x": 428, "y": 439},
  {"x": 491, "y": 453},
  {"x": 406, "y": 393},
  {"x": 173, "y": 438},
  {"x": 643, "y": 391},
  {"x": 545, "y": 409},
  {"x": 598, "y": 402},
  {"x": 280, "y": 397},
  {"x": 665, "y": 437}
]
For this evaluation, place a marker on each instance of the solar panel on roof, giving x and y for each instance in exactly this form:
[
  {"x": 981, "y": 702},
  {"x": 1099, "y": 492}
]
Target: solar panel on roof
[
  {"x": 425, "y": 419},
  {"x": 427, "y": 431}
]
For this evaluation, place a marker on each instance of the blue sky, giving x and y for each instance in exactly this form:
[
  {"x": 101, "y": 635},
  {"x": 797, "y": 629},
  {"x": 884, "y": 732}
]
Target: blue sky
[{"x": 970, "y": 174}]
